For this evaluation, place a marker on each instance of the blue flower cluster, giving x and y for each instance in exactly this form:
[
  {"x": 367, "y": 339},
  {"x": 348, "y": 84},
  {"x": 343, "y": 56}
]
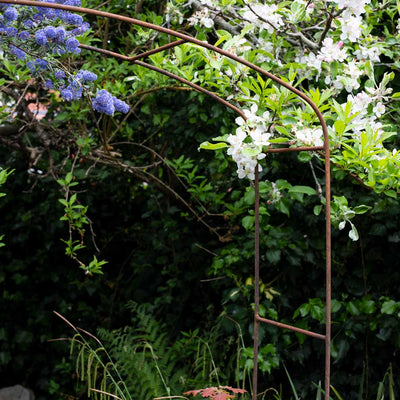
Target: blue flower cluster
[
  {"x": 53, "y": 30},
  {"x": 37, "y": 35},
  {"x": 108, "y": 104},
  {"x": 74, "y": 89}
]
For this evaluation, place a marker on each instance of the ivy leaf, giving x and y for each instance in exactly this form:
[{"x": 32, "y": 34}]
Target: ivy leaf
[
  {"x": 248, "y": 222},
  {"x": 389, "y": 307}
]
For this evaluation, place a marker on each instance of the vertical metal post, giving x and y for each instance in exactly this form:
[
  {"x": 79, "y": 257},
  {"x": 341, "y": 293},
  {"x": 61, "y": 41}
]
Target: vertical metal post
[
  {"x": 328, "y": 268},
  {"x": 256, "y": 278}
]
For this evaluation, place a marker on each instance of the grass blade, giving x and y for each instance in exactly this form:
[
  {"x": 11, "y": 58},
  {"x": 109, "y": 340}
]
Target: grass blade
[{"x": 291, "y": 384}]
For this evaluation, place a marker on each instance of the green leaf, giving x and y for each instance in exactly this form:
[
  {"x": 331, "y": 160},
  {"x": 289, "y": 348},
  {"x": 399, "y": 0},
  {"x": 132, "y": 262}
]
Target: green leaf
[
  {"x": 68, "y": 177},
  {"x": 248, "y": 222},
  {"x": 291, "y": 384},
  {"x": 273, "y": 256},
  {"x": 72, "y": 199},
  {"x": 369, "y": 69},
  {"x": 317, "y": 209},
  {"x": 303, "y": 189},
  {"x": 336, "y": 305},
  {"x": 336, "y": 393},
  {"x": 340, "y": 127},
  {"x": 212, "y": 146},
  {"x": 317, "y": 312},
  {"x": 247, "y": 28},
  {"x": 368, "y": 306},
  {"x": 283, "y": 206},
  {"x": 282, "y": 184},
  {"x": 361, "y": 209},
  {"x": 252, "y": 151},
  {"x": 304, "y": 156},
  {"x": 352, "y": 308},
  {"x": 63, "y": 202},
  {"x": 4, "y": 173},
  {"x": 389, "y": 307},
  {"x": 391, "y": 193},
  {"x": 341, "y": 201}
]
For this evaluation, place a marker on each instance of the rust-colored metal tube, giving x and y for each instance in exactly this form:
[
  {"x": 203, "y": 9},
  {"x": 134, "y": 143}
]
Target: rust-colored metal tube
[
  {"x": 169, "y": 74},
  {"x": 256, "y": 279},
  {"x": 290, "y": 327},
  {"x": 186, "y": 38}
]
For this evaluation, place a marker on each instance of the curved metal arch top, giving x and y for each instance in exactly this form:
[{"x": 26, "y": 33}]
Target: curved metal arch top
[{"x": 183, "y": 38}]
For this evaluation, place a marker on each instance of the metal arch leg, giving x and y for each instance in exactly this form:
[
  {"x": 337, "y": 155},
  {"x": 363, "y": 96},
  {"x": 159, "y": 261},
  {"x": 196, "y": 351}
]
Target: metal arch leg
[{"x": 258, "y": 319}]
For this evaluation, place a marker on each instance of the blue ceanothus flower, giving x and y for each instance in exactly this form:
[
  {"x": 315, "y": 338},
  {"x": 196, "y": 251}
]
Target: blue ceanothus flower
[
  {"x": 108, "y": 104},
  {"x": 10, "y": 14},
  {"x": 103, "y": 102},
  {"x": 37, "y": 35}
]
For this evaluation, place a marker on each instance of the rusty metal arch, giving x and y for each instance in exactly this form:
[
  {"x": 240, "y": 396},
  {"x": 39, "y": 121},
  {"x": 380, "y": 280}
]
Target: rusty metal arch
[{"x": 183, "y": 38}]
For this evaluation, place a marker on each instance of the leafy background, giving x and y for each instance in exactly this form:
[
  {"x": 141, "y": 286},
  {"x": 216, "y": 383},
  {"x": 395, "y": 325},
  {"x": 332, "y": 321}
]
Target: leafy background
[{"x": 175, "y": 226}]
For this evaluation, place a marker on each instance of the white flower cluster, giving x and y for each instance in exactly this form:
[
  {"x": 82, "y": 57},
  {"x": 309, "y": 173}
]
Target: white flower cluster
[
  {"x": 264, "y": 16},
  {"x": 307, "y": 136},
  {"x": 236, "y": 46},
  {"x": 355, "y": 7},
  {"x": 246, "y": 145},
  {"x": 351, "y": 27},
  {"x": 349, "y": 79},
  {"x": 312, "y": 61},
  {"x": 350, "y": 20},
  {"x": 331, "y": 51},
  {"x": 202, "y": 18},
  {"x": 360, "y": 104},
  {"x": 173, "y": 14},
  {"x": 364, "y": 53},
  {"x": 275, "y": 194},
  {"x": 267, "y": 50}
]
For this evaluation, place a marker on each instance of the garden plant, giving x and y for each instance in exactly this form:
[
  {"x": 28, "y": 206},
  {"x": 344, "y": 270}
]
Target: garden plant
[{"x": 122, "y": 160}]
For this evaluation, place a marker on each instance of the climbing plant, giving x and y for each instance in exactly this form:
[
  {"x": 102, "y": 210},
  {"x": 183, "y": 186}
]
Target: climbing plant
[{"x": 342, "y": 54}]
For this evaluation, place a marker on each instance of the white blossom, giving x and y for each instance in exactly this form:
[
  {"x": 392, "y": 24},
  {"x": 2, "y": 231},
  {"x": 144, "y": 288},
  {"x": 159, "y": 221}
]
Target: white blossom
[
  {"x": 379, "y": 109},
  {"x": 259, "y": 137},
  {"x": 331, "y": 51},
  {"x": 356, "y": 7},
  {"x": 351, "y": 28},
  {"x": 359, "y": 102},
  {"x": 309, "y": 136},
  {"x": 173, "y": 14},
  {"x": 265, "y": 16},
  {"x": 246, "y": 145},
  {"x": 312, "y": 61},
  {"x": 349, "y": 79},
  {"x": 202, "y": 18},
  {"x": 364, "y": 53},
  {"x": 310, "y": 8}
]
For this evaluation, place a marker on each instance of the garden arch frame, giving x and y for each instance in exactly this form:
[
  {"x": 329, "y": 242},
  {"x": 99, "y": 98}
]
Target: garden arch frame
[{"x": 183, "y": 38}]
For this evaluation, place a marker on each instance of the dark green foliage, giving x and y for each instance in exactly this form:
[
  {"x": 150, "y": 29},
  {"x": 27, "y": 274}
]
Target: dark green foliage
[
  {"x": 143, "y": 360},
  {"x": 176, "y": 227},
  {"x": 154, "y": 363}
]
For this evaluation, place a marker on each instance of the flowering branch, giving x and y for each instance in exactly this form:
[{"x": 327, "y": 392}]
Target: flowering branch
[{"x": 38, "y": 35}]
